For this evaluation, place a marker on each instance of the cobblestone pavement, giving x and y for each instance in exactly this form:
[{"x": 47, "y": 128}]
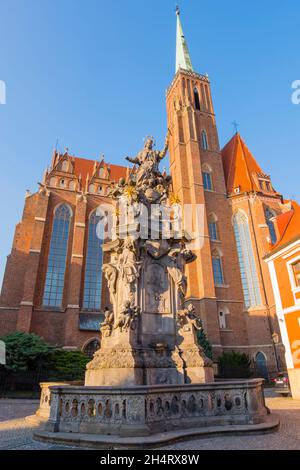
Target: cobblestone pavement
[{"x": 17, "y": 433}]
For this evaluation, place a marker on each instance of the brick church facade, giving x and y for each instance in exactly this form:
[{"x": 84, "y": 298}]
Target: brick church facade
[{"x": 53, "y": 283}]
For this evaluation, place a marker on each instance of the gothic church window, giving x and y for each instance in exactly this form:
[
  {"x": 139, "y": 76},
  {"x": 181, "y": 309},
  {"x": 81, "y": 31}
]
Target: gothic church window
[
  {"x": 213, "y": 227},
  {"x": 217, "y": 268},
  {"x": 55, "y": 277},
  {"x": 269, "y": 216},
  {"x": 197, "y": 98},
  {"x": 93, "y": 265},
  {"x": 204, "y": 141},
  {"x": 207, "y": 179},
  {"x": 250, "y": 282},
  {"x": 91, "y": 347}
]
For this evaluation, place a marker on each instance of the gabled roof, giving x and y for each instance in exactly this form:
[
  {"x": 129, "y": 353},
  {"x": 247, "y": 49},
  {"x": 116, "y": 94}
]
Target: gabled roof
[
  {"x": 240, "y": 167},
  {"x": 85, "y": 167},
  {"x": 288, "y": 225}
]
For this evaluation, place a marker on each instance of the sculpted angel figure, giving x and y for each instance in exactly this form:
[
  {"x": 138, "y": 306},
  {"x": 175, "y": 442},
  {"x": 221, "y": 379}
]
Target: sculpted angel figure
[
  {"x": 128, "y": 317},
  {"x": 187, "y": 316},
  {"x": 148, "y": 159},
  {"x": 107, "y": 325}
]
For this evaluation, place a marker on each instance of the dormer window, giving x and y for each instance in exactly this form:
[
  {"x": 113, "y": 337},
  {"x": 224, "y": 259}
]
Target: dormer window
[
  {"x": 62, "y": 183},
  {"x": 262, "y": 185}
]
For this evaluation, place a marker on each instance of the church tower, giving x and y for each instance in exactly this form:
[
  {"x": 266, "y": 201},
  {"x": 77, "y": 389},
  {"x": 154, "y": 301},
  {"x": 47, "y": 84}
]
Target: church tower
[{"x": 198, "y": 180}]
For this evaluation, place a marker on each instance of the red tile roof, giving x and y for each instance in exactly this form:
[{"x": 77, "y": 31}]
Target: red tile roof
[
  {"x": 240, "y": 167},
  {"x": 84, "y": 167},
  {"x": 288, "y": 225}
]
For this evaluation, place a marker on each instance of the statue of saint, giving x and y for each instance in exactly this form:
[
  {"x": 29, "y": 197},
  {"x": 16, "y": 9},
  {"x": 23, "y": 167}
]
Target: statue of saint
[{"x": 148, "y": 160}]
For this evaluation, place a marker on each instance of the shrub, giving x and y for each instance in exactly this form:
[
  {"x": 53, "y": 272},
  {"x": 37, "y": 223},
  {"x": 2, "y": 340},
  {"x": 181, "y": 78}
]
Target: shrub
[
  {"x": 28, "y": 352},
  {"x": 235, "y": 365},
  {"x": 25, "y": 351},
  {"x": 68, "y": 361},
  {"x": 204, "y": 343}
]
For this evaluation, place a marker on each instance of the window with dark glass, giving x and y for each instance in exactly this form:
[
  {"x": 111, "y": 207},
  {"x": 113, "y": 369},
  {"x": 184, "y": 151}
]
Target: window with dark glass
[
  {"x": 204, "y": 141},
  {"x": 269, "y": 215},
  {"x": 207, "y": 182},
  {"x": 197, "y": 98},
  {"x": 55, "y": 277},
  {"x": 93, "y": 266},
  {"x": 91, "y": 348},
  {"x": 213, "y": 230},
  {"x": 217, "y": 270},
  {"x": 296, "y": 270}
]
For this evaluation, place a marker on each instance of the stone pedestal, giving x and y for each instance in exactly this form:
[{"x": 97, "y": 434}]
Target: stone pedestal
[{"x": 149, "y": 333}]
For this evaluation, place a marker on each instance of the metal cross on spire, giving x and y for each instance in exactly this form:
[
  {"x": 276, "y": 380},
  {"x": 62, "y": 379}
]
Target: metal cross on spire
[{"x": 235, "y": 126}]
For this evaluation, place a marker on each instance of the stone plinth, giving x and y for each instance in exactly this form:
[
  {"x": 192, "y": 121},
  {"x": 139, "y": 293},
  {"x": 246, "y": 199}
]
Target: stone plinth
[{"x": 45, "y": 400}]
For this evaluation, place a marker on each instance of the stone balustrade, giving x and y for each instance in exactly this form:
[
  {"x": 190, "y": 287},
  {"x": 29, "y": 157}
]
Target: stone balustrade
[{"x": 143, "y": 410}]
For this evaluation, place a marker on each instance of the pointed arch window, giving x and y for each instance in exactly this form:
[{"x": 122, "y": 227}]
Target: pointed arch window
[
  {"x": 213, "y": 227},
  {"x": 204, "y": 141},
  {"x": 93, "y": 265},
  {"x": 250, "y": 282},
  {"x": 269, "y": 216},
  {"x": 207, "y": 179},
  {"x": 217, "y": 268},
  {"x": 197, "y": 98},
  {"x": 55, "y": 277}
]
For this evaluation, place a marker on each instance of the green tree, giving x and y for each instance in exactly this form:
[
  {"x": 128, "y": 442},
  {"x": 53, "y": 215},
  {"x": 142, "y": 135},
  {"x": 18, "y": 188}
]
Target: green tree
[{"x": 25, "y": 351}]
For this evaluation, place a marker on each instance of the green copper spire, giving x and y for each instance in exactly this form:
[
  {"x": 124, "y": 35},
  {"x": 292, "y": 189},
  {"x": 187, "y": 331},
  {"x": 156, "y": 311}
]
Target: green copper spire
[{"x": 183, "y": 60}]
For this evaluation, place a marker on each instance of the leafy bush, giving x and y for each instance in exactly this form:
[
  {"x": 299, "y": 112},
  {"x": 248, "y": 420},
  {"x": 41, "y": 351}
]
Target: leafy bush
[
  {"x": 204, "y": 343},
  {"x": 68, "y": 361},
  {"x": 25, "y": 351},
  {"x": 235, "y": 365},
  {"x": 29, "y": 352}
]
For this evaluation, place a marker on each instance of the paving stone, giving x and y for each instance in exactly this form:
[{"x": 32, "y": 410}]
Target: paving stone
[{"x": 17, "y": 433}]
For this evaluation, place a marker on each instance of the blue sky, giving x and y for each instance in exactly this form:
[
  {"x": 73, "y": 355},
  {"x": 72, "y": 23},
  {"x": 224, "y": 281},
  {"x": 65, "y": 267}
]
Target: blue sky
[{"x": 93, "y": 74}]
